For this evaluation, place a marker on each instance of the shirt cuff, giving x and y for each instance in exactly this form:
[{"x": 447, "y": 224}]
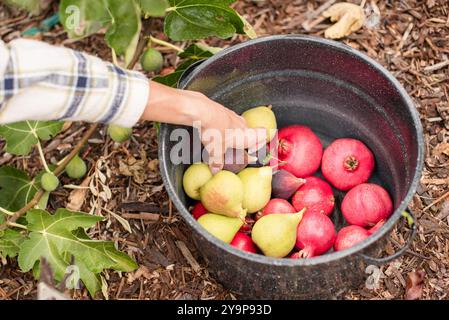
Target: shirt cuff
[{"x": 134, "y": 99}]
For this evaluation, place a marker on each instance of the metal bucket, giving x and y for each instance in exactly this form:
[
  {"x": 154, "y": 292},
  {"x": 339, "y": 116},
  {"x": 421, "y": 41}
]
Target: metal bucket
[{"x": 338, "y": 92}]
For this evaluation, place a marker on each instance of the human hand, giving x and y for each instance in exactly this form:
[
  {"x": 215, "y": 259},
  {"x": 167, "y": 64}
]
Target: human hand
[{"x": 220, "y": 128}]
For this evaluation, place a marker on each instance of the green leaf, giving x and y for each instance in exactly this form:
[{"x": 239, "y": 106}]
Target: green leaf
[
  {"x": 22, "y": 136},
  {"x": 82, "y": 18},
  {"x": 198, "y": 52},
  {"x": 55, "y": 237},
  {"x": 10, "y": 243},
  {"x": 154, "y": 8},
  {"x": 123, "y": 35},
  {"x": 16, "y": 188},
  {"x": 172, "y": 79},
  {"x": 32, "y": 6},
  {"x": 197, "y": 19},
  {"x": 248, "y": 28},
  {"x": 191, "y": 54}
]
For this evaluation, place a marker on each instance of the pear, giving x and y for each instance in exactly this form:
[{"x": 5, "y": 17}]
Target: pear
[
  {"x": 194, "y": 178},
  {"x": 275, "y": 234},
  {"x": 262, "y": 117},
  {"x": 221, "y": 227},
  {"x": 256, "y": 187},
  {"x": 223, "y": 194}
]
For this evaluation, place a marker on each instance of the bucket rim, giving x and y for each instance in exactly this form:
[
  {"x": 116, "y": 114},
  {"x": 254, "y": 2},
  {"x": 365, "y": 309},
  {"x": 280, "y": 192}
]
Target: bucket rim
[{"x": 328, "y": 257}]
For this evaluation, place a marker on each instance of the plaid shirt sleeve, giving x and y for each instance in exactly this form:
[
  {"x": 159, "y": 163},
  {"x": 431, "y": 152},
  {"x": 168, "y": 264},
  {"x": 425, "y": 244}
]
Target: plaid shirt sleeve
[{"x": 43, "y": 82}]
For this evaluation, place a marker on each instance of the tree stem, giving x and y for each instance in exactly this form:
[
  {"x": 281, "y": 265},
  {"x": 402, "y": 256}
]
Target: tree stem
[
  {"x": 7, "y": 212},
  {"x": 41, "y": 154},
  {"x": 16, "y": 225}
]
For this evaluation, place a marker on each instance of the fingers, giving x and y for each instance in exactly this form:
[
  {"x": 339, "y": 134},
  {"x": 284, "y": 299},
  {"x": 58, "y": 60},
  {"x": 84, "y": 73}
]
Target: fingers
[
  {"x": 248, "y": 138},
  {"x": 215, "y": 156}
]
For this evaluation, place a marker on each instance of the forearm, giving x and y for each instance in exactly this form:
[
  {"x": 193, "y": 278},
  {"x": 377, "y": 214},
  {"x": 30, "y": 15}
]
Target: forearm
[{"x": 169, "y": 105}]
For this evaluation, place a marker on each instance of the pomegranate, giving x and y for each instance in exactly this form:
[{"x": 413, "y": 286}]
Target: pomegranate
[
  {"x": 299, "y": 151},
  {"x": 366, "y": 204},
  {"x": 351, "y": 235},
  {"x": 315, "y": 235},
  {"x": 198, "y": 210},
  {"x": 347, "y": 163},
  {"x": 278, "y": 206},
  {"x": 315, "y": 195},
  {"x": 243, "y": 242}
]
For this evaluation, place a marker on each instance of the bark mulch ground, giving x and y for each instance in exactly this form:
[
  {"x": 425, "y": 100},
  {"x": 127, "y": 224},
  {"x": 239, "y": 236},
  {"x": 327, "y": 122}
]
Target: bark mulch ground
[{"x": 409, "y": 37}]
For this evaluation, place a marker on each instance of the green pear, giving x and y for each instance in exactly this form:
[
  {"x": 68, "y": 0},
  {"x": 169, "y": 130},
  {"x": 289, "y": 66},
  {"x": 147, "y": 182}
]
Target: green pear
[
  {"x": 262, "y": 117},
  {"x": 275, "y": 234},
  {"x": 221, "y": 227},
  {"x": 223, "y": 194},
  {"x": 256, "y": 187},
  {"x": 194, "y": 178}
]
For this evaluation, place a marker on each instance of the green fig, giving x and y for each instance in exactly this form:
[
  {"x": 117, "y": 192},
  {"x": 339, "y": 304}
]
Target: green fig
[
  {"x": 275, "y": 234},
  {"x": 262, "y": 117},
  {"x": 223, "y": 194},
  {"x": 221, "y": 227},
  {"x": 152, "y": 60},
  {"x": 49, "y": 182},
  {"x": 194, "y": 178},
  {"x": 256, "y": 187},
  {"x": 76, "y": 168},
  {"x": 119, "y": 134}
]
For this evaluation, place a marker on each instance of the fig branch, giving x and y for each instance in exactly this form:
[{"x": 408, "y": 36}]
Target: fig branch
[{"x": 11, "y": 221}]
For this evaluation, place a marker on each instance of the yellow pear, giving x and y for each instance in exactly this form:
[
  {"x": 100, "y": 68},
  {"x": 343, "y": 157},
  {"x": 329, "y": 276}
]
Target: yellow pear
[
  {"x": 223, "y": 194},
  {"x": 275, "y": 234},
  {"x": 194, "y": 178},
  {"x": 262, "y": 117},
  {"x": 256, "y": 187},
  {"x": 221, "y": 227}
]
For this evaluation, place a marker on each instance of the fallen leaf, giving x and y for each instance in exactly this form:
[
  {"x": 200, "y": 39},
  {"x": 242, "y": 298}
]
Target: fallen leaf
[
  {"x": 349, "y": 18},
  {"x": 77, "y": 196},
  {"x": 415, "y": 284},
  {"x": 440, "y": 149}
]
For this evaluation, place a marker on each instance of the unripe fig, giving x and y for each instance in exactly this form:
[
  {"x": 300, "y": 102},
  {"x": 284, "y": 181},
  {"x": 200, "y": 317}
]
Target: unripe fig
[
  {"x": 119, "y": 134},
  {"x": 262, "y": 117},
  {"x": 285, "y": 184},
  {"x": 194, "y": 178},
  {"x": 49, "y": 182},
  {"x": 222, "y": 227},
  {"x": 256, "y": 187},
  {"x": 223, "y": 194},
  {"x": 76, "y": 169},
  {"x": 152, "y": 60}
]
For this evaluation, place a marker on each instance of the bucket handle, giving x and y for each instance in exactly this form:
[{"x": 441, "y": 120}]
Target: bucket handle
[{"x": 411, "y": 220}]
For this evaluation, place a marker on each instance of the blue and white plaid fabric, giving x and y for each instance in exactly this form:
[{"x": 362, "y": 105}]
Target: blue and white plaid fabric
[{"x": 43, "y": 82}]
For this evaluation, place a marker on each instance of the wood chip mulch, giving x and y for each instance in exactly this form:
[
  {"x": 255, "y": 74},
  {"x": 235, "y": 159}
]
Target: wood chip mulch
[{"x": 410, "y": 38}]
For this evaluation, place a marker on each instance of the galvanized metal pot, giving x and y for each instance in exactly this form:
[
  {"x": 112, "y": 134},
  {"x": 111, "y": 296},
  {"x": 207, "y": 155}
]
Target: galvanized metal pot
[{"x": 338, "y": 92}]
